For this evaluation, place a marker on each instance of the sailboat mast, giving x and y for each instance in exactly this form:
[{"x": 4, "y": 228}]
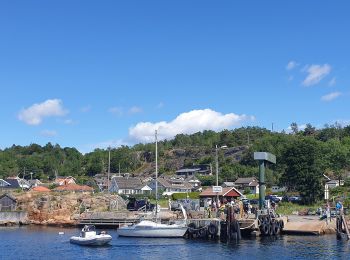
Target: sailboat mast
[{"x": 156, "y": 171}]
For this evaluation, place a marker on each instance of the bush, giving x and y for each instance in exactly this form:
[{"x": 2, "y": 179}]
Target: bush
[
  {"x": 180, "y": 196},
  {"x": 246, "y": 191}
]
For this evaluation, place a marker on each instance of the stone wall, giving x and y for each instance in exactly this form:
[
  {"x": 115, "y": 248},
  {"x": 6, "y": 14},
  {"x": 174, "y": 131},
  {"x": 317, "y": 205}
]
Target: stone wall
[{"x": 13, "y": 217}]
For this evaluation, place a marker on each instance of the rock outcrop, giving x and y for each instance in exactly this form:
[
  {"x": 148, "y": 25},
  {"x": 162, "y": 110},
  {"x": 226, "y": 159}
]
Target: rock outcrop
[{"x": 64, "y": 208}]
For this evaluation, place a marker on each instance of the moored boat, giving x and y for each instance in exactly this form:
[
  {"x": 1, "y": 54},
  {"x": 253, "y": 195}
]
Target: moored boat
[{"x": 89, "y": 237}]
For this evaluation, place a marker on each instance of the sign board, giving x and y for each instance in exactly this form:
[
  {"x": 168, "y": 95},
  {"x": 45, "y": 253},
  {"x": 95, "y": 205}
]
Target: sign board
[
  {"x": 262, "y": 156},
  {"x": 217, "y": 189}
]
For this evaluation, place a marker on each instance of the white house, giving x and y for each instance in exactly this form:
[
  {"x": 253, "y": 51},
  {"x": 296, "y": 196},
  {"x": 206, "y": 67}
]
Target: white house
[
  {"x": 129, "y": 186},
  {"x": 251, "y": 183}
]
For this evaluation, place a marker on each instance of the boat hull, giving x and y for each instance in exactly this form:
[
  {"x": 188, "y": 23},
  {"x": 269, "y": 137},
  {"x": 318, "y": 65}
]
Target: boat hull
[
  {"x": 98, "y": 241},
  {"x": 152, "y": 232}
]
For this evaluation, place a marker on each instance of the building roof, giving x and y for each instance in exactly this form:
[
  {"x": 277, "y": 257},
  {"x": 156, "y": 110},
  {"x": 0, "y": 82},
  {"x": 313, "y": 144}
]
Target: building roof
[
  {"x": 188, "y": 170},
  {"x": 227, "y": 191},
  {"x": 335, "y": 182},
  {"x": 245, "y": 180},
  {"x": 229, "y": 183},
  {"x": 253, "y": 184},
  {"x": 73, "y": 187},
  {"x": 13, "y": 183},
  {"x": 128, "y": 182},
  {"x": 5, "y": 183},
  {"x": 41, "y": 189},
  {"x": 174, "y": 183},
  {"x": 9, "y": 196},
  {"x": 35, "y": 181}
]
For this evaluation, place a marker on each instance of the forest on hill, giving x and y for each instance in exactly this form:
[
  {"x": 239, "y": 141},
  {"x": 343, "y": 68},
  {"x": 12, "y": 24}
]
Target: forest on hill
[{"x": 303, "y": 156}]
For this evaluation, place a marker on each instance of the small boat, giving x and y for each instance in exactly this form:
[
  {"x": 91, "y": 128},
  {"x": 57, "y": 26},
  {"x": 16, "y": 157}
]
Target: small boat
[{"x": 89, "y": 237}]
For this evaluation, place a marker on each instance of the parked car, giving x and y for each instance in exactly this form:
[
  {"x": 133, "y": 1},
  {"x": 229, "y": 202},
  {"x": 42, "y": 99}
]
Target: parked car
[
  {"x": 134, "y": 205},
  {"x": 295, "y": 199},
  {"x": 254, "y": 201},
  {"x": 272, "y": 198}
]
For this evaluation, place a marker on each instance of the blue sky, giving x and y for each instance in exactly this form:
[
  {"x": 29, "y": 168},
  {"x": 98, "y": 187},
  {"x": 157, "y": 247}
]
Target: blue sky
[{"x": 93, "y": 73}]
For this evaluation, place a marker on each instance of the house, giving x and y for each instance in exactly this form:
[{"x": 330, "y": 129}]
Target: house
[
  {"x": 128, "y": 185},
  {"x": 34, "y": 183},
  {"x": 16, "y": 183},
  {"x": 228, "y": 184},
  {"x": 171, "y": 185},
  {"x": 7, "y": 202},
  {"x": 64, "y": 180},
  {"x": 251, "y": 183},
  {"x": 74, "y": 188},
  {"x": 278, "y": 189},
  {"x": 195, "y": 182},
  {"x": 228, "y": 194},
  {"x": 202, "y": 169},
  {"x": 101, "y": 181},
  {"x": 334, "y": 183}
]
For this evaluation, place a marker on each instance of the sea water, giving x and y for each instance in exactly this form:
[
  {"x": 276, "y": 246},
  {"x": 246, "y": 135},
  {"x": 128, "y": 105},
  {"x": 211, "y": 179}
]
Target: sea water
[{"x": 33, "y": 242}]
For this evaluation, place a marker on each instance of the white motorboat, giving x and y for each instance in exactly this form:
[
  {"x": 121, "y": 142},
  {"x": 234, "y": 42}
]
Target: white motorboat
[
  {"x": 147, "y": 228},
  {"x": 89, "y": 237}
]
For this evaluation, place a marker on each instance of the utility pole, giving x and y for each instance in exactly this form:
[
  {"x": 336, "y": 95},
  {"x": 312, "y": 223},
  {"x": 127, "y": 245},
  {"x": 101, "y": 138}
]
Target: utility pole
[
  {"x": 156, "y": 139},
  {"x": 109, "y": 167},
  {"x": 217, "y": 172}
]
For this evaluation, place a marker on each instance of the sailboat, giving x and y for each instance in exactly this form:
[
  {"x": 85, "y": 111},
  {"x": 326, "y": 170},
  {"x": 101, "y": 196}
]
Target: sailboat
[{"x": 153, "y": 229}]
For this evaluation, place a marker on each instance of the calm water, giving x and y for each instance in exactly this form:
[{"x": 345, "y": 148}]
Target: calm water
[{"x": 45, "y": 243}]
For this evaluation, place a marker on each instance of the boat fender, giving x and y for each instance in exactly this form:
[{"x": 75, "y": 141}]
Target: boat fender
[
  {"x": 202, "y": 232},
  {"x": 192, "y": 228},
  {"x": 281, "y": 225},
  {"x": 233, "y": 228},
  {"x": 266, "y": 219},
  {"x": 270, "y": 230},
  {"x": 212, "y": 229},
  {"x": 275, "y": 229},
  {"x": 238, "y": 228},
  {"x": 265, "y": 228}
]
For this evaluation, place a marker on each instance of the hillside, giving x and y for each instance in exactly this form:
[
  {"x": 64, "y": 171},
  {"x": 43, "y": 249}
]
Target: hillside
[{"x": 299, "y": 154}]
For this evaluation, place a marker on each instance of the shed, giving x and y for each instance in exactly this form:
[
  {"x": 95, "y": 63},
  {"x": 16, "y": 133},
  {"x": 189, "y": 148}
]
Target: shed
[
  {"x": 7, "y": 202},
  {"x": 227, "y": 193}
]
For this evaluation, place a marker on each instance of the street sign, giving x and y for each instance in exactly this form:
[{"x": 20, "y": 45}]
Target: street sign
[{"x": 217, "y": 189}]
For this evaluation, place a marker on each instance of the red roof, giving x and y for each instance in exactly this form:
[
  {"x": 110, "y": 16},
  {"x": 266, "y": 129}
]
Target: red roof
[
  {"x": 74, "y": 187},
  {"x": 41, "y": 189},
  {"x": 226, "y": 192}
]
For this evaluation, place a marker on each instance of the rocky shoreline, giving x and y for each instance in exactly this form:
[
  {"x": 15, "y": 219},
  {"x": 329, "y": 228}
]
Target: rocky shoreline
[{"x": 58, "y": 209}]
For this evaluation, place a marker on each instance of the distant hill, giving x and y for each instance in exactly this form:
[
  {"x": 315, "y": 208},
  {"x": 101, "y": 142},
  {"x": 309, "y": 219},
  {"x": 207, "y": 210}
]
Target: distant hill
[{"x": 184, "y": 150}]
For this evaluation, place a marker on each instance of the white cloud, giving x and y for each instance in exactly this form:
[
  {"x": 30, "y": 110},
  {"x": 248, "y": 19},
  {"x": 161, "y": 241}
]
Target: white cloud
[
  {"x": 116, "y": 111},
  {"x": 35, "y": 114},
  {"x": 316, "y": 73},
  {"x": 160, "y": 105},
  {"x": 186, "y": 123},
  {"x": 48, "y": 133},
  {"x": 291, "y": 65},
  {"x": 331, "y": 96},
  {"x": 135, "y": 110},
  {"x": 103, "y": 145},
  {"x": 332, "y": 82}
]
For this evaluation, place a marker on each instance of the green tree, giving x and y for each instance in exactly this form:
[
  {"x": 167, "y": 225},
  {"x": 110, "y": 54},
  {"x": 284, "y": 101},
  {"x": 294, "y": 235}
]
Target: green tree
[{"x": 303, "y": 171}]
